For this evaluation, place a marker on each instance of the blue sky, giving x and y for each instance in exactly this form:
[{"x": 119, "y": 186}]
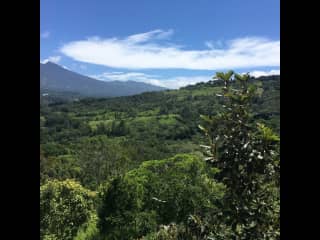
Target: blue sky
[{"x": 170, "y": 43}]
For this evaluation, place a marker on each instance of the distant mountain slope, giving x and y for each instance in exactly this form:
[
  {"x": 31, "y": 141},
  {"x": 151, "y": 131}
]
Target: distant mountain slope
[
  {"x": 55, "y": 78},
  {"x": 188, "y": 102}
]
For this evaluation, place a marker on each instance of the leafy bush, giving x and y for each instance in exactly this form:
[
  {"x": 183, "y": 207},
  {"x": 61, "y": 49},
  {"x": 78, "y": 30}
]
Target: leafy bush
[
  {"x": 158, "y": 192},
  {"x": 89, "y": 230},
  {"x": 64, "y": 207}
]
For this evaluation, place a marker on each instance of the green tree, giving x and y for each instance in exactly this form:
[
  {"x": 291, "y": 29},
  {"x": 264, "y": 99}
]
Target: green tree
[
  {"x": 64, "y": 207},
  {"x": 248, "y": 159},
  {"x": 158, "y": 192},
  {"x": 101, "y": 159},
  {"x": 57, "y": 167},
  {"x": 101, "y": 129}
]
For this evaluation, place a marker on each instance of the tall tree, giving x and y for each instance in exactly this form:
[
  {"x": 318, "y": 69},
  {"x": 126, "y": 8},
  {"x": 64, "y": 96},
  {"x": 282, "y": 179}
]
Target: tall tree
[
  {"x": 248, "y": 159},
  {"x": 101, "y": 159}
]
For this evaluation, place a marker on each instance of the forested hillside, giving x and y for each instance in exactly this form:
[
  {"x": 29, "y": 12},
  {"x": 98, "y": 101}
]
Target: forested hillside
[{"x": 136, "y": 162}]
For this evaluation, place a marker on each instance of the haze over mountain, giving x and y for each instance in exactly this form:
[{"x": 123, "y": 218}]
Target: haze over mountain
[{"x": 56, "y": 78}]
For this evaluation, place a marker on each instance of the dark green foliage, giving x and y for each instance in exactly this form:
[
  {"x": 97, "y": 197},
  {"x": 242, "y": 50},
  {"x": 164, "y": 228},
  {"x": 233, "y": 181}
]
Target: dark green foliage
[
  {"x": 60, "y": 167},
  {"x": 195, "y": 229},
  {"x": 101, "y": 159},
  {"x": 118, "y": 129},
  {"x": 248, "y": 159},
  {"x": 158, "y": 192}
]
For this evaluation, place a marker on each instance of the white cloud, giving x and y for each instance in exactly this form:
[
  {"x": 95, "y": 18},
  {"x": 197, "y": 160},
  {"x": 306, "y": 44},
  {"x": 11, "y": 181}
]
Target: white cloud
[
  {"x": 182, "y": 81},
  {"x": 54, "y": 59},
  {"x": 121, "y": 76},
  {"x": 265, "y": 73},
  {"x": 144, "y": 37},
  {"x": 45, "y": 34},
  {"x": 173, "y": 83},
  {"x": 141, "y": 51}
]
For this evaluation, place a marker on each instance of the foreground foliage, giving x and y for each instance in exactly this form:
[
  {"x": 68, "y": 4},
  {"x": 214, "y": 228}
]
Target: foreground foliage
[
  {"x": 64, "y": 207},
  {"x": 248, "y": 159},
  {"x": 158, "y": 192}
]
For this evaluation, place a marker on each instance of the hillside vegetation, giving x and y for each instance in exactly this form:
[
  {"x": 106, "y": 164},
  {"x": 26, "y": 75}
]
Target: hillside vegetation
[{"x": 137, "y": 164}]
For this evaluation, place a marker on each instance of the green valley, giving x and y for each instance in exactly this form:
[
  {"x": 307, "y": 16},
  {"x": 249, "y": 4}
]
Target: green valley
[{"x": 120, "y": 153}]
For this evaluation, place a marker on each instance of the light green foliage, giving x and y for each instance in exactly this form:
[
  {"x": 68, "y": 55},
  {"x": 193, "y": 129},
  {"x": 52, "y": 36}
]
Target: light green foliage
[
  {"x": 89, "y": 230},
  {"x": 64, "y": 207},
  {"x": 42, "y": 121},
  {"x": 158, "y": 192}
]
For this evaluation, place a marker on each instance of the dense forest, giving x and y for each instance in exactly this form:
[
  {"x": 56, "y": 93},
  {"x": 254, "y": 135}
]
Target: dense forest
[{"x": 201, "y": 162}]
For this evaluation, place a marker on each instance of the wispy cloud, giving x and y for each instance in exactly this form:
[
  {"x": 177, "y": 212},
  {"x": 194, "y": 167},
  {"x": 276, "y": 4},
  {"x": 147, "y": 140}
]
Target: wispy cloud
[
  {"x": 182, "y": 81},
  {"x": 122, "y": 76},
  {"x": 265, "y": 73},
  {"x": 45, "y": 34},
  {"x": 173, "y": 82},
  {"x": 147, "y": 51},
  {"x": 54, "y": 59},
  {"x": 214, "y": 44},
  {"x": 152, "y": 35}
]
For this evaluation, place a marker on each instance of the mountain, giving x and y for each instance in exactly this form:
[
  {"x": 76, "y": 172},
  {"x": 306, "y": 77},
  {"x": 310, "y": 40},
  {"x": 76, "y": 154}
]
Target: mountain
[{"x": 58, "y": 79}]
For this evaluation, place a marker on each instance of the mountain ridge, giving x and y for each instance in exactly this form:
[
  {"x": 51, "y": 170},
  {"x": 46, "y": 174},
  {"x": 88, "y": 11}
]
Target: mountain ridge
[{"x": 54, "y": 77}]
